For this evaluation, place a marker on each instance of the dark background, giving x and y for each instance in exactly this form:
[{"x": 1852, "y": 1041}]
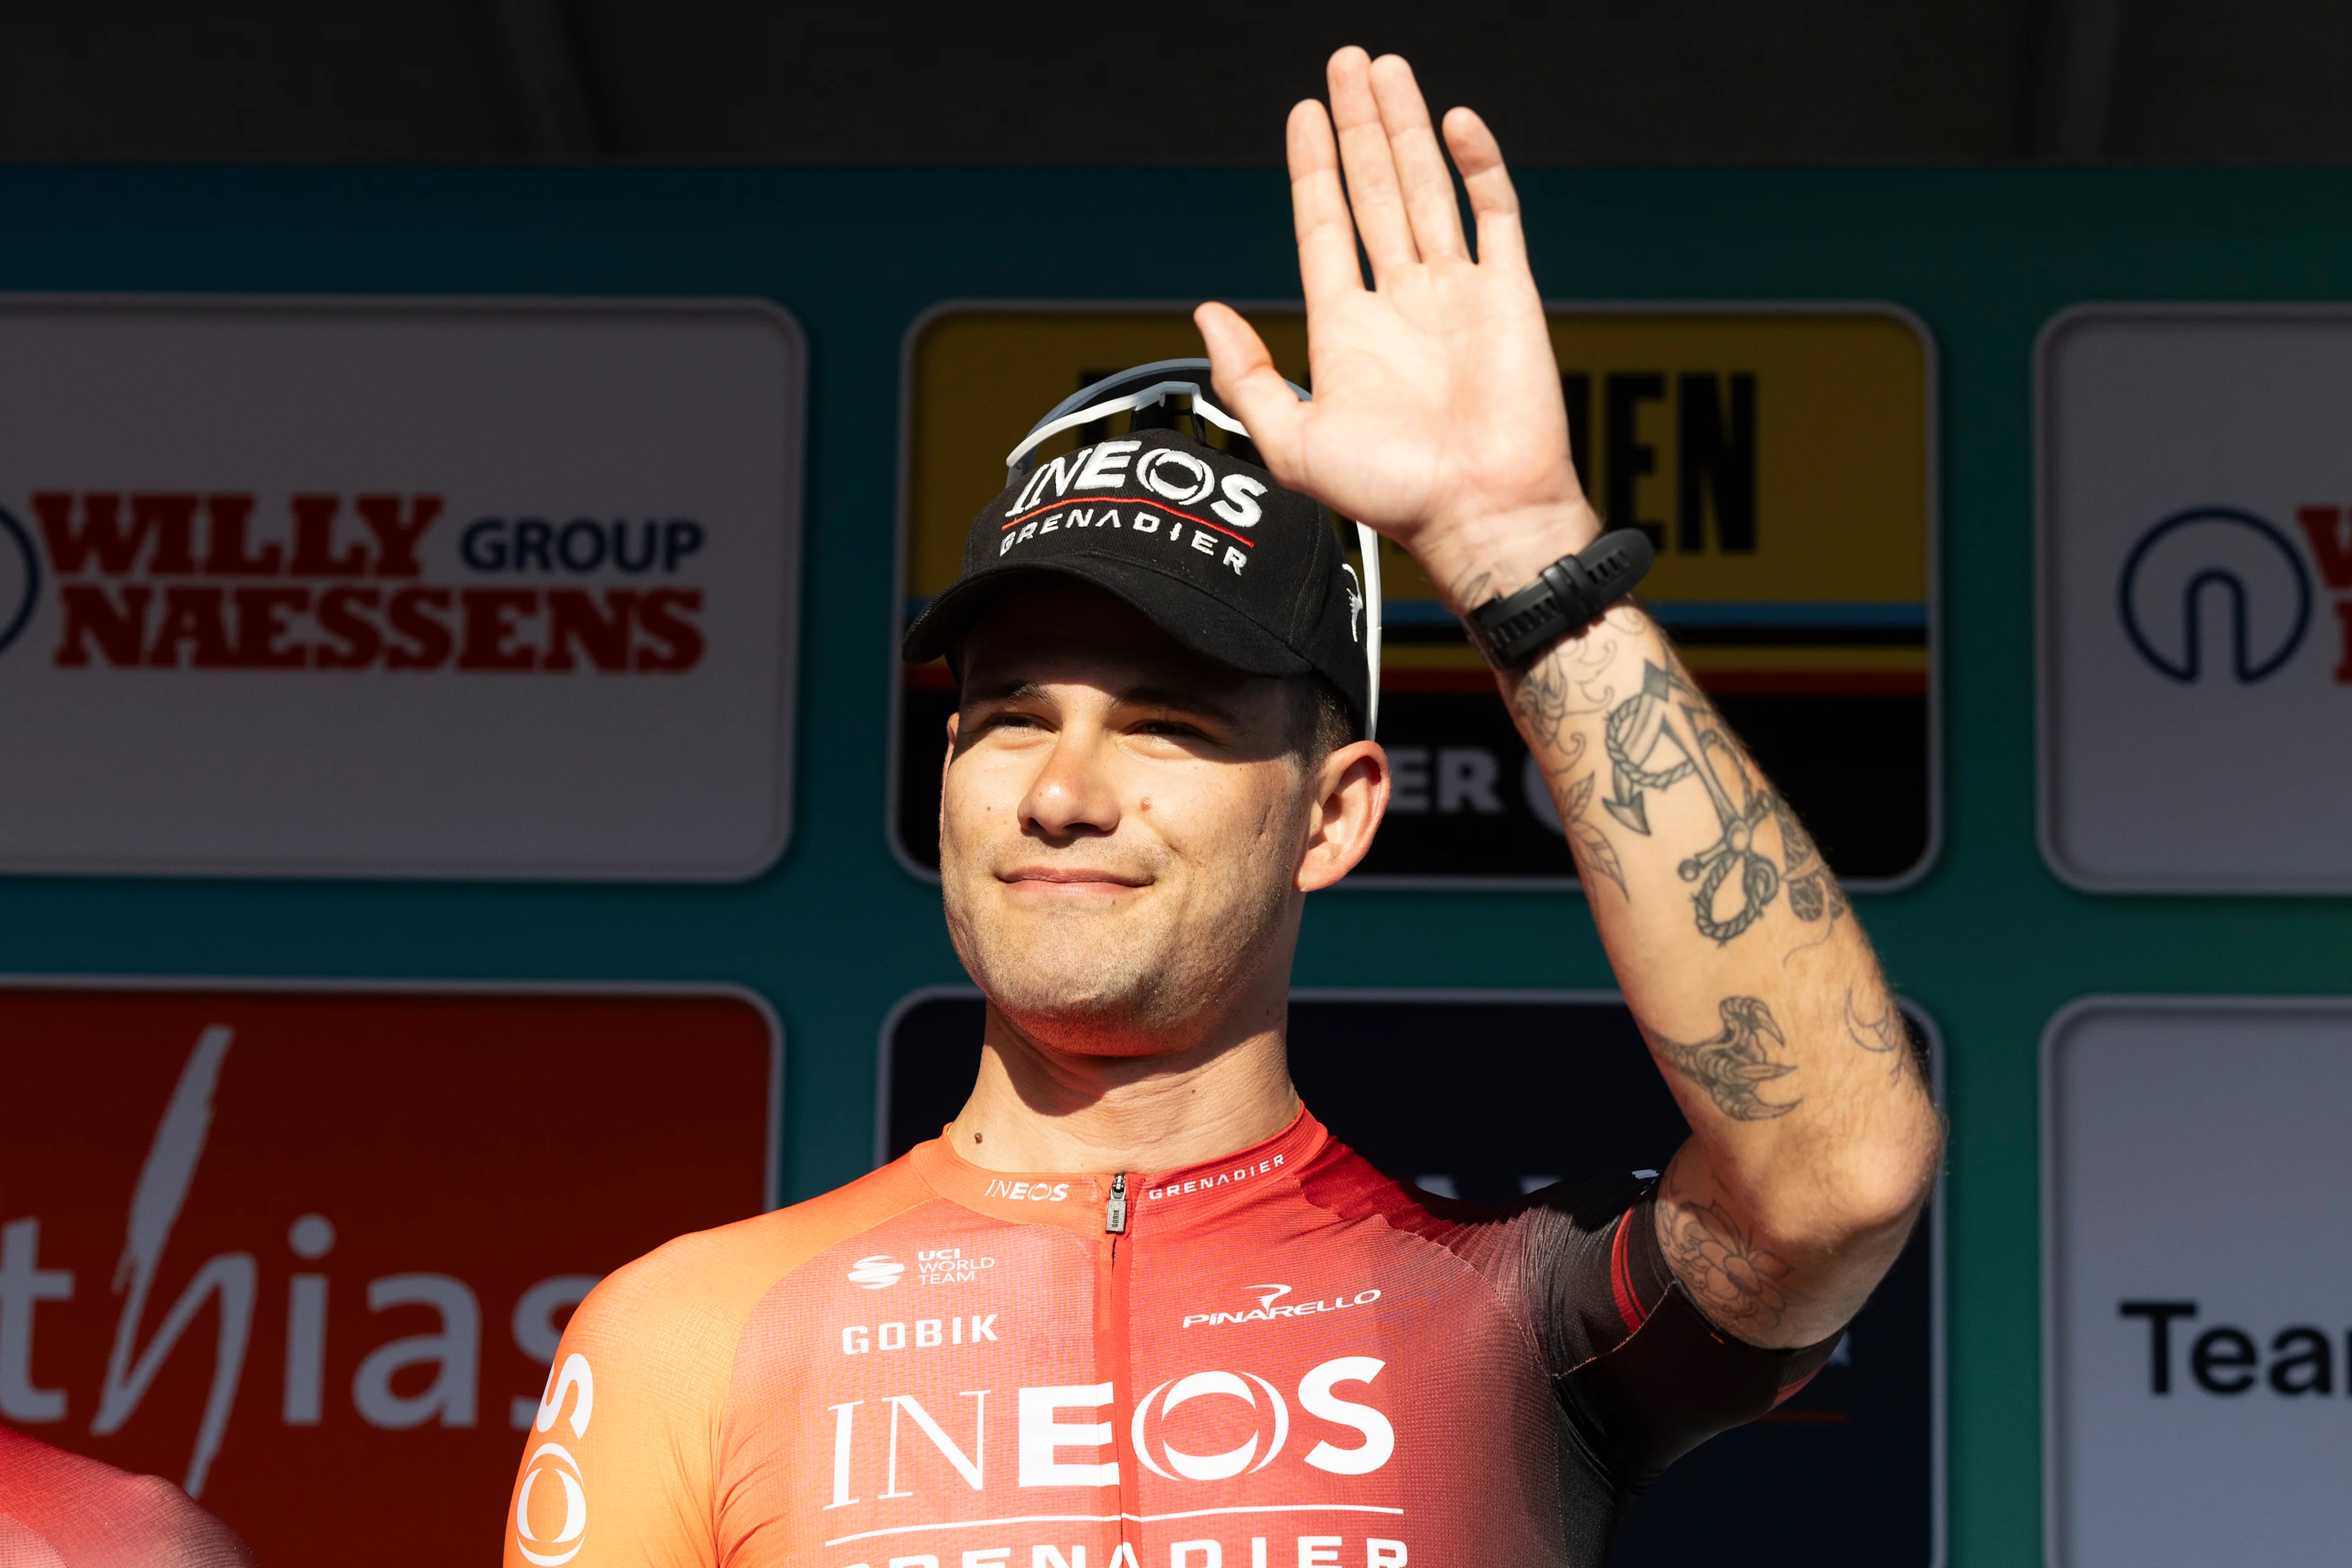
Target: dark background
[{"x": 1707, "y": 81}]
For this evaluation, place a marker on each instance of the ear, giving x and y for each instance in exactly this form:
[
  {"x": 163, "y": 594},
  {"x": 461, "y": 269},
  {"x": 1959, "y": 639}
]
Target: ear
[
  {"x": 947, "y": 759},
  {"x": 1351, "y": 796}
]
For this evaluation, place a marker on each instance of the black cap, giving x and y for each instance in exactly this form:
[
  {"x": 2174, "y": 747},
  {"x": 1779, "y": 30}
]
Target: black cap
[{"x": 1206, "y": 546}]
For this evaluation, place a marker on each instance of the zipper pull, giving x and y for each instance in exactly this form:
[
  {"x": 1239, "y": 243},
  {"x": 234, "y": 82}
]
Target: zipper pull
[{"x": 1115, "y": 1211}]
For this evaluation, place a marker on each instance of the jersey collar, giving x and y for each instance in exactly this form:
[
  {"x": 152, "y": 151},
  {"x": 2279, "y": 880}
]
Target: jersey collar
[{"x": 1156, "y": 1201}]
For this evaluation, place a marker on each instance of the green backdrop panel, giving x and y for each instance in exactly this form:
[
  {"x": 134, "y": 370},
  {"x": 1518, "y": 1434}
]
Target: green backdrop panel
[{"x": 1989, "y": 942}]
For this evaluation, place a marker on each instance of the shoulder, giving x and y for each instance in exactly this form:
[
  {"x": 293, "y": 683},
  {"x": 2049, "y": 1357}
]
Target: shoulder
[
  {"x": 698, "y": 1290},
  {"x": 1344, "y": 1182},
  {"x": 87, "y": 1514},
  {"x": 636, "y": 1402}
]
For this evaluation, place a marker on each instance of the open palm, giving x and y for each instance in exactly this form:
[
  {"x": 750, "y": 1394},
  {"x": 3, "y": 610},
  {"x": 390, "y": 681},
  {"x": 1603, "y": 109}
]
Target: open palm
[{"x": 1438, "y": 416}]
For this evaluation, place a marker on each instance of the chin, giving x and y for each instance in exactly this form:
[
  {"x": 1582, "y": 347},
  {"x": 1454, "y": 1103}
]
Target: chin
[{"x": 1094, "y": 1011}]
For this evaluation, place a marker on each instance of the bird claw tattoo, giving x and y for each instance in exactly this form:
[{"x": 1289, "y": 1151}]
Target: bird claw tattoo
[{"x": 1735, "y": 1065}]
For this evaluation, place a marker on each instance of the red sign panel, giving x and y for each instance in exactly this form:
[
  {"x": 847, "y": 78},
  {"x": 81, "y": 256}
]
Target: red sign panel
[{"x": 309, "y": 1252}]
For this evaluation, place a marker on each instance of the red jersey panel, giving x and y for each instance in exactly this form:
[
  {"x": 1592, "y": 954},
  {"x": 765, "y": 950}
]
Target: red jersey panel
[
  {"x": 61, "y": 1510},
  {"x": 1279, "y": 1359}
]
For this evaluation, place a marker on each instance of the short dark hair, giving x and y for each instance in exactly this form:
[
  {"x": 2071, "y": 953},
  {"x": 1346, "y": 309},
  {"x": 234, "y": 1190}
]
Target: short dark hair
[{"x": 1320, "y": 719}]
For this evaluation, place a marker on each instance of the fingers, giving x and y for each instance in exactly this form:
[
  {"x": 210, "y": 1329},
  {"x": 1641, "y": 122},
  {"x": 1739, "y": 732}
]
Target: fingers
[
  {"x": 1371, "y": 168},
  {"x": 1493, "y": 205},
  {"x": 1248, "y": 385},
  {"x": 1318, "y": 207},
  {"x": 1420, "y": 163}
]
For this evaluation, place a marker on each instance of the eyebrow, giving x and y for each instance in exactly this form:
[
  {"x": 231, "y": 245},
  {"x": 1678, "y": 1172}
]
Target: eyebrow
[{"x": 1146, "y": 696}]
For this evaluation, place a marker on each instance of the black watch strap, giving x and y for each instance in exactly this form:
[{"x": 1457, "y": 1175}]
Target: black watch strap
[{"x": 1567, "y": 596}]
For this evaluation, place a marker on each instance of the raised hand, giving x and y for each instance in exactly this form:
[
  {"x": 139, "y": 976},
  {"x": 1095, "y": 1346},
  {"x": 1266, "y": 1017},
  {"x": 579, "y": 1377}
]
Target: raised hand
[{"x": 1438, "y": 416}]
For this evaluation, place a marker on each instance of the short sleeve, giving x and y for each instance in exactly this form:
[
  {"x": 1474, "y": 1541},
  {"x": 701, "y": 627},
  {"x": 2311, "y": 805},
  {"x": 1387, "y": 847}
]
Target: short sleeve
[
  {"x": 618, "y": 1466},
  {"x": 1642, "y": 1375},
  {"x": 623, "y": 1466}
]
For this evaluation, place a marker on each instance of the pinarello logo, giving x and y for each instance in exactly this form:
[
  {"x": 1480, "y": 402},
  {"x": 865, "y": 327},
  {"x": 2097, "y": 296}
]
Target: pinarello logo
[
  {"x": 876, "y": 1273},
  {"x": 20, "y": 579}
]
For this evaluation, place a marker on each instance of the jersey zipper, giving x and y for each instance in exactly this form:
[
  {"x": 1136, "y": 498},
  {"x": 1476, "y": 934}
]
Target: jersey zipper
[{"x": 1110, "y": 1346}]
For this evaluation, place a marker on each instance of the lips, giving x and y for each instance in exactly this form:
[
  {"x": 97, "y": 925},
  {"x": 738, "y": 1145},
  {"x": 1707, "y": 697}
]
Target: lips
[{"x": 1076, "y": 879}]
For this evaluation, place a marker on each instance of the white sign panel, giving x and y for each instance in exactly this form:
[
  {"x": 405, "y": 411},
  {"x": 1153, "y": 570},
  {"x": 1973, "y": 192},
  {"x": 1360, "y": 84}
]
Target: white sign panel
[
  {"x": 2196, "y": 598},
  {"x": 2197, "y": 1279},
  {"x": 397, "y": 588}
]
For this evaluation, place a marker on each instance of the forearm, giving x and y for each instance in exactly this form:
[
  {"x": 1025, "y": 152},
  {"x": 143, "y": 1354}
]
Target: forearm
[{"x": 1813, "y": 1136}]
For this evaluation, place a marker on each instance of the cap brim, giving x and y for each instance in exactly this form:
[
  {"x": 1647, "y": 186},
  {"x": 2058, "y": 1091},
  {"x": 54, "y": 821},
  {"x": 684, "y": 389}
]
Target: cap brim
[{"x": 1197, "y": 620}]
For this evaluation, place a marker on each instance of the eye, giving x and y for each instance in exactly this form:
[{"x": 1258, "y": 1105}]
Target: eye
[
  {"x": 1174, "y": 727},
  {"x": 1005, "y": 720}
]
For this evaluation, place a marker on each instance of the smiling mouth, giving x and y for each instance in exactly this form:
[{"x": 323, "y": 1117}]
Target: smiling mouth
[{"x": 1075, "y": 881}]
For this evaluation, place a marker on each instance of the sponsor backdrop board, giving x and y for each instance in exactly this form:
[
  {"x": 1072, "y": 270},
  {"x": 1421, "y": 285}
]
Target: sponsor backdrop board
[
  {"x": 308, "y": 1252},
  {"x": 2196, "y": 521},
  {"x": 1783, "y": 459},
  {"x": 398, "y": 588},
  {"x": 2197, "y": 1267},
  {"x": 836, "y": 932},
  {"x": 1548, "y": 1085}
]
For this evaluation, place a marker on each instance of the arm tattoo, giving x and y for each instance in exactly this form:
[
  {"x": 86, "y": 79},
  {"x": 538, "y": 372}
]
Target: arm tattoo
[
  {"x": 1736, "y": 1063},
  {"x": 1666, "y": 734},
  {"x": 1541, "y": 696},
  {"x": 1540, "y": 699},
  {"x": 1593, "y": 849},
  {"x": 1882, "y": 1036},
  {"x": 1812, "y": 891},
  {"x": 1732, "y": 1279}
]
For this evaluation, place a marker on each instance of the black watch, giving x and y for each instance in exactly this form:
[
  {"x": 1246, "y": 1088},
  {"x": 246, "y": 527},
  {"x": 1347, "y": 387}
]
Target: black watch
[{"x": 1567, "y": 596}]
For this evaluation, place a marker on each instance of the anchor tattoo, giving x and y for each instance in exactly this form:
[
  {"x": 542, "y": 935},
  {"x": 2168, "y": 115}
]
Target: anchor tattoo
[{"x": 1670, "y": 711}]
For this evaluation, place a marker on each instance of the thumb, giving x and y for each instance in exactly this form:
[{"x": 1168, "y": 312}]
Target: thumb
[{"x": 1248, "y": 384}]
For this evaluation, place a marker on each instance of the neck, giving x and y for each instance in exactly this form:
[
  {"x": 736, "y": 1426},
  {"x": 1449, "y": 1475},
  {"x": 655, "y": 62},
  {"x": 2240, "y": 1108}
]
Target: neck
[{"x": 1037, "y": 1109}]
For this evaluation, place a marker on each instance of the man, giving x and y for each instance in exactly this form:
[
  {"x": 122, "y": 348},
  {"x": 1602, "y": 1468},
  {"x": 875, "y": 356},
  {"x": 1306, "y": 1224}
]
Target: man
[{"x": 1135, "y": 1308}]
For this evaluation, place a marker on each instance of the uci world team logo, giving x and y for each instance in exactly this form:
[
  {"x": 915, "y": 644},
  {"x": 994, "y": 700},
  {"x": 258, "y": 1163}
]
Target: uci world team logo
[
  {"x": 20, "y": 579},
  {"x": 2216, "y": 573}
]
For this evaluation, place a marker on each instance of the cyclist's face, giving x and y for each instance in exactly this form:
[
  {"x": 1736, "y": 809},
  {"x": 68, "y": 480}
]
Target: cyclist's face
[{"x": 1121, "y": 826}]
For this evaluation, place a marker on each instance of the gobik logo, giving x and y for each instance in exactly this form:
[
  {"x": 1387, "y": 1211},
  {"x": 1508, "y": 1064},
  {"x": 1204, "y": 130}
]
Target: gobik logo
[
  {"x": 20, "y": 579},
  {"x": 2218, "y": 572}
]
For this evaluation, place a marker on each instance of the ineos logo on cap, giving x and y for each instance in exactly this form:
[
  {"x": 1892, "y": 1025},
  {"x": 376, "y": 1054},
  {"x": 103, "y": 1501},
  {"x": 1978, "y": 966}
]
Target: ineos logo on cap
[
  {"x": 1152, "y": 473},
  {"x": 876, "y": 1273}
]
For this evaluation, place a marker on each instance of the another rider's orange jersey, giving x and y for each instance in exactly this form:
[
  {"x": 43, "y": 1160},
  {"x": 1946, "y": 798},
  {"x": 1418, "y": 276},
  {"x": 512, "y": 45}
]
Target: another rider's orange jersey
[{"x": 1279, "y": 1359}]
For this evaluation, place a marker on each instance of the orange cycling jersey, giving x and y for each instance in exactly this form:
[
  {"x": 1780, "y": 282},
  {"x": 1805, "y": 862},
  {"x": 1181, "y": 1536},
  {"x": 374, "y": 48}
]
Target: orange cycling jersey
[{"x": 1283, "y": 1359}]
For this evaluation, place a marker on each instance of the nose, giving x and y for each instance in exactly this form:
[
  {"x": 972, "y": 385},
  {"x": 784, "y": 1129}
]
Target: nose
[{"x": 1074, "y": 793}]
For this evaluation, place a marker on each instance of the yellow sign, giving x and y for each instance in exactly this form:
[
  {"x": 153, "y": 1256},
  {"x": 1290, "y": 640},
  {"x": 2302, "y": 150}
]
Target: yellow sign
[{"x": 1782, "y": 459}]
